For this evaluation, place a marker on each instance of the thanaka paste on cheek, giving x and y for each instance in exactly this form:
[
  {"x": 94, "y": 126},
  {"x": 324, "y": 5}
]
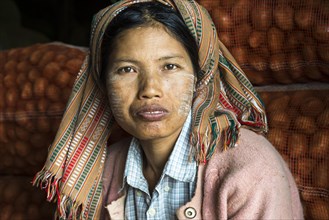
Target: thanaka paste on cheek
[
  {"x": 187, "y": 96},
  {"x": 115, "y": 100}
]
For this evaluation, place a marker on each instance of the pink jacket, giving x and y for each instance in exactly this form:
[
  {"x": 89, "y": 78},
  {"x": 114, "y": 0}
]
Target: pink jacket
[{"x": 250, "y": 181}]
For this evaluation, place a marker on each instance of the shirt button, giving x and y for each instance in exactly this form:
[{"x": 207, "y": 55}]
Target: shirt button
[
  {"x": 167, "y": 188},
  {"x": 139, "y": 193},
  {"x": 190, "y": 213},
  {"x": 151, "y": 212}
]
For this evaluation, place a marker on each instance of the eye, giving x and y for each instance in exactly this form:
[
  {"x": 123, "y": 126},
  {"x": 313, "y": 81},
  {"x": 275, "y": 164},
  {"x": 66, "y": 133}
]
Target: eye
[
  {"x": 126, "y": 69},
  {"x": 170, "y": 67}
]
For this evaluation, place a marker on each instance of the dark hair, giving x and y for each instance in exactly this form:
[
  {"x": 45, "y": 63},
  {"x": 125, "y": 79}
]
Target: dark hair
[{"x": 150, "y": 13}]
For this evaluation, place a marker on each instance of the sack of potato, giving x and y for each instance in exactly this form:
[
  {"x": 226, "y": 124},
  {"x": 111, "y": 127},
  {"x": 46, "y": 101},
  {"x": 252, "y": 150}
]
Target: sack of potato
[
  {"x": 20, "y": 201},
  {"x": 298, "y": 117},
  {"x": 284, "y": 41},
  {"x": 35, "y": 83}
]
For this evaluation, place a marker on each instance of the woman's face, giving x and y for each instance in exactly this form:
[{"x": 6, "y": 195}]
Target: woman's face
[{"x": 150, "y": 83}]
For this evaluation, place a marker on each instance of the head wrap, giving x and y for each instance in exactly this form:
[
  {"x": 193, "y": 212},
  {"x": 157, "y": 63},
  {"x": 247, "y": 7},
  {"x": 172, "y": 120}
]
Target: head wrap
[{"x": 223, "y": 101}]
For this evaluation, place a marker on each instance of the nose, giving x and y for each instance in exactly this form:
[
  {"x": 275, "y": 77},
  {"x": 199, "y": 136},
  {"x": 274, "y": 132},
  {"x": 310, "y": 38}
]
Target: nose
[{"x": 150, "y": 86}]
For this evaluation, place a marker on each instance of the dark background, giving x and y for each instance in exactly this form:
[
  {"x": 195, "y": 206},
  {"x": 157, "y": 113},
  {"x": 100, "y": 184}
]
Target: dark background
[{"x": 25, "y": 22}]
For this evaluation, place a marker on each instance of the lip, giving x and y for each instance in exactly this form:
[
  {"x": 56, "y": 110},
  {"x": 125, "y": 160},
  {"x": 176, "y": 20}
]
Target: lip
[{"x": 151, "y": 113}]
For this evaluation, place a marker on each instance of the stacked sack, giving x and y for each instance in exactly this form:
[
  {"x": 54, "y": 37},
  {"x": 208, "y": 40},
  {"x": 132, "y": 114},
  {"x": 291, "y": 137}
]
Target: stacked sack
[
  {"x": 282, "y": 41},
  {"x": 283, "y": 47},
  {"x": 35, "y": 83}
]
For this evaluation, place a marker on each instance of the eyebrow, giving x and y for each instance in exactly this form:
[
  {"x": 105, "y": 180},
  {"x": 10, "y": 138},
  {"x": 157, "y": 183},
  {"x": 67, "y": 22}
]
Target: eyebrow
[{"x": 171, "y": 57}]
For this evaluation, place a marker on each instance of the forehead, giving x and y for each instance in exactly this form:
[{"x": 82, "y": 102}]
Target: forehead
[{"x": 148, "y": 39}]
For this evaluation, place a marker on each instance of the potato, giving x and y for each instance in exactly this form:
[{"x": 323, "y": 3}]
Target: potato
[
  {"x": 43, "y": 125},
  {"x": 241, "y": 37},
  {"x": 33, "y": 75},
  {"x": 73, "y": 65},
  {"x": 321, "y": 31},
  {"x": 275, "y": 40},
  {"x": 295, "y": 40},
  {"x": 27, "y": 91},
  {"x": 278, "y": 62},
  {"x": 10, "y": 66},
  {"x": 323, "y": 119},
  {"x": 312, "y": 106},
  {"x": 304, "y": 167},
  {"x": 36, "y": 56},
  {"x": 222, "y": 19},
  {"x": 240, "y": 54},
  {"x": 22, "y": 134},
  {"x": 261, "y": 16},
  {"x": 26, "y": 123},
  {"x": 11, "y": 97},
  {"x": 323, "y": 51},
  {"x": 278, "y": 138},
  {"x": 279, "y": 119},
  {"x": 56, "y": 107},
  {"x": 9, "y": 80},
  {"x": 43, "y": 105},
  {"x": 53, "y": 93},
  {"x": 23, "y": 66},
  {"x": 257, "y": 77},
  {"x": 319, "y": 209},
  {"x": 30, "y": 106},
  {"x": 46, "y": 58},
  {"x": 258, "y": 62},
  {"x": 309, "y": 52},
  {"x": 298, "y": 145},
  {"x": 62, "y": 79},
  {"x": 40, "y": 86},
  {"x": 282, "y": 77},
  {"x": 256, "y": 39},
  {"x": 21, "y": 79},
  {"x": 3, "y": 134},
  {"x": 22, "y": 148},
  {"x": 278, "y": 104},
  {"x": 284, "y": 17},
  {"x": 241, "y": 11},
  {"x": 51, "y": 70},
  {"x": 320, "y": 144},
  {"x": 226, "y": 38},
  {"x": 296, "y": 67},
  {"x": 305, "y": 124}
]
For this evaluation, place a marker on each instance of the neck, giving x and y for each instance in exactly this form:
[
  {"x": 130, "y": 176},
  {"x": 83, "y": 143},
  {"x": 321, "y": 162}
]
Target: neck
[{"x": 156, "y": 154}]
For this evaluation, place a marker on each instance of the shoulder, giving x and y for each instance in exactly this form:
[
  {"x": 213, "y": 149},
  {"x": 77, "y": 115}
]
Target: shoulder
[
  {"x": 251, "y": 180},
  {"x": 116, "y": 155},
  {"x": 251, "y": 151},
  {"x": 119, "y": 148},
  {"x": 252, "y": 162}
]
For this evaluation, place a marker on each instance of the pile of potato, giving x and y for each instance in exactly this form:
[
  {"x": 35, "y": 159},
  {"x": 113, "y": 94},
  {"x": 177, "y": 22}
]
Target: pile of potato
[
  {"x": 299, "y": 129},
  {"x": 282, "y": 41},
  {"x": 35, "y": 83},
  {"x": 20, "y": 201}
]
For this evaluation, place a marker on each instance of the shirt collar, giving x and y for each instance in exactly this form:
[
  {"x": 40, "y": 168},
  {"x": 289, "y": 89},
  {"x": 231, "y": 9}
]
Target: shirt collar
[{"x": 180, "y": 165}]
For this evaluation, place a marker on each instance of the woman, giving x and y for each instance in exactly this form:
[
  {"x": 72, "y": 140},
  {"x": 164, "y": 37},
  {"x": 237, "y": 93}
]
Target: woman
[{"x": 158, "y": 71}]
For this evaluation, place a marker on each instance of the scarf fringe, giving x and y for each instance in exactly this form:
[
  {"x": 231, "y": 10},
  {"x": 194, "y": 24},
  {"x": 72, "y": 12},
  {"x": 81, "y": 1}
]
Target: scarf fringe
[
  {"x": 205, "y": 145},
  {"x": 66, "y": 207}
]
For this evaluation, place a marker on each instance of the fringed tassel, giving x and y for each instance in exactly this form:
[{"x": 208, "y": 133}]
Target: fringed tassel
[
  {"x": 66, "y": 208},
  {"x": 205, "y": 145},
  {"x": 47, "y": 181}
]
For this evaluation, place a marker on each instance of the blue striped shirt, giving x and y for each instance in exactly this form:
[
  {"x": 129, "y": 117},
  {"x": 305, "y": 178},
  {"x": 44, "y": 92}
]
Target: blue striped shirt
[{"x": 175, "y": 187}]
